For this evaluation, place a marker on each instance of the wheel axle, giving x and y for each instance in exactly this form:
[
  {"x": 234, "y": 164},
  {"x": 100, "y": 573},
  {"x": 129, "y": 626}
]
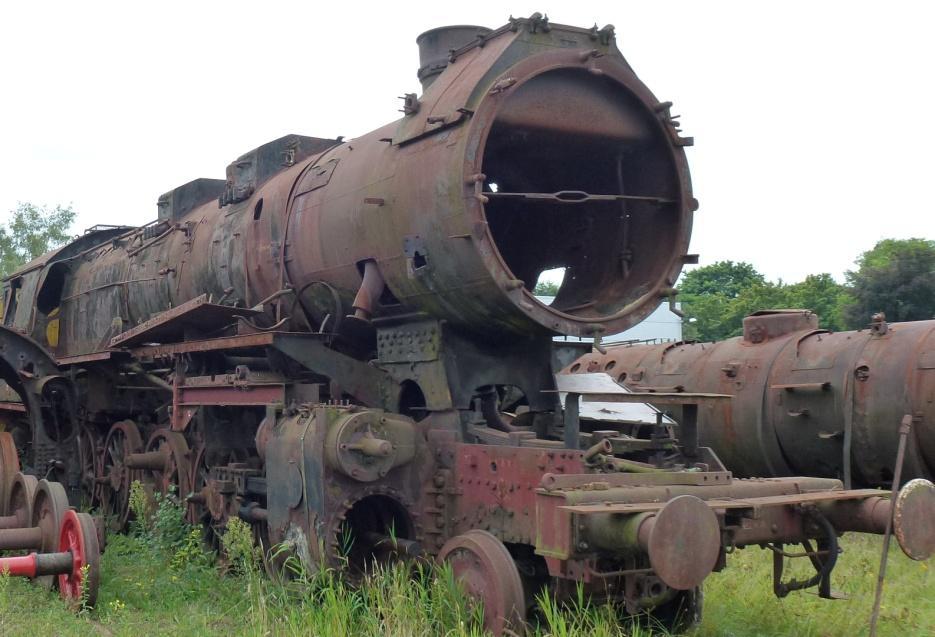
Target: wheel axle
[
  {"x": 76, "y": 563},
  {"x": 44, "y": 518}
]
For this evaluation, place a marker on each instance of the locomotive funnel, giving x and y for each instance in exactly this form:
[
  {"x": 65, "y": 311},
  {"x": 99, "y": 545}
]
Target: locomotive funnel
[{"x": 436, "y": 45}]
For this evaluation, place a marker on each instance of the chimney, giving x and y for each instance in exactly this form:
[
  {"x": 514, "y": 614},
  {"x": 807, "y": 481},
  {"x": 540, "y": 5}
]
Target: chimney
[{"x": 436, "y": 44}]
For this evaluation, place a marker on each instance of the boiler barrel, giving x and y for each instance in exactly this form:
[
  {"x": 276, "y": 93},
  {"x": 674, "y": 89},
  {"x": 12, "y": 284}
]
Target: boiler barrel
[
  {"x": 532, "y": 151},
  {"x": 806, "y": 401}
]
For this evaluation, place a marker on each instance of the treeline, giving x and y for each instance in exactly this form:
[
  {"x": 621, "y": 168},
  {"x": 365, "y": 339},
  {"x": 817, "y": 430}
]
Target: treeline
[
  {"x": 896, "y": 277},
  {"x": 30, "y": 231}
]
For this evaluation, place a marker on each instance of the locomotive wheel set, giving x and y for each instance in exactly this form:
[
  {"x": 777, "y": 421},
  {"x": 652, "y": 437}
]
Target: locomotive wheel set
[
  {"x": 35, "y": 516},
  {"x": 339, "y": 341}
]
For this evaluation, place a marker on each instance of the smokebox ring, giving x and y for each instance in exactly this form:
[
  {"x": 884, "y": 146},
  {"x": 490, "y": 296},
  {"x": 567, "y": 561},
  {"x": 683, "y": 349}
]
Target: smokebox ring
[{"x": 482, "y": 122}]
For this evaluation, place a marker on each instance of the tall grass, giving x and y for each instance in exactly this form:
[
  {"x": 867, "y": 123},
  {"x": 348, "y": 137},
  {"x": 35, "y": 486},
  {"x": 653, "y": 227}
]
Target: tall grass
[{"x": 159, "y": 580}]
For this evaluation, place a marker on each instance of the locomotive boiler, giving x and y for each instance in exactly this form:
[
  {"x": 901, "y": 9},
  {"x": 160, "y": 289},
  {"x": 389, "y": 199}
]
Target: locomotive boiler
[
  {"x": 806, "y": 400},
  {"x": 338, "y": 343}
]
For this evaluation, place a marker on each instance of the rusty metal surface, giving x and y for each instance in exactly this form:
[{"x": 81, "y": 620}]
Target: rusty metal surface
[
  {"x": 85, "y": 358},
  {"x": 739, "y": 503},
  {"x": 48, "y": 508},
  {"x": 685, "y": 526},
  {"x": 249, "y": 395},
  {"x": 197, "y": 315},
  {"x": 912, "y": 519},
  {"x": 227, "y": 343},
  {"x": 483, "y": 565},
  {"x": 21, "y": 500},
  {"x": 806, "y": 401},
  {"x": 9, "y": 467}
]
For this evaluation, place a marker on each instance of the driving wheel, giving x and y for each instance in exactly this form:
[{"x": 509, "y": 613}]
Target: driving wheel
[
  {"x": 173, "y": 474},
  {"x": 116, "y": 477},
  {"x": 486, "y": 570}
]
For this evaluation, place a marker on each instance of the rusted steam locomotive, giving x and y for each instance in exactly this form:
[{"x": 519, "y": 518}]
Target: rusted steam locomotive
[
  {"x": 806, "y": 400},
  {"x": 339, "y": 340}
]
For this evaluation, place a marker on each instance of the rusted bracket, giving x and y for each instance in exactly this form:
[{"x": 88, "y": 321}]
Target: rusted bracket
[
  {"x": 440, "y": 124},
  {"x": 368, "y": 384},
  {"x": 823, "y": 560},
  {"x": 411, "y": 103},
  {"x": 791, "y": 387},
  {"x": 604, "y": 34}
]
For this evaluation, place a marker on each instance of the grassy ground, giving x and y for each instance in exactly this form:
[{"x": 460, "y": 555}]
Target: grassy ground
[{"x": 160, "y": 582}]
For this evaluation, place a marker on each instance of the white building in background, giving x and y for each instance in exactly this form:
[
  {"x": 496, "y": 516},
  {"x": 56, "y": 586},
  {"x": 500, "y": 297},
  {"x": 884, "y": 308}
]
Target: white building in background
[{"x": 660, "y": 326}]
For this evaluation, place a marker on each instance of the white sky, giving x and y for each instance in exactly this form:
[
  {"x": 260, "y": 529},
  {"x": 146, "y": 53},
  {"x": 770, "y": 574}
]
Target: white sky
[{"x": 810, "y": 119}]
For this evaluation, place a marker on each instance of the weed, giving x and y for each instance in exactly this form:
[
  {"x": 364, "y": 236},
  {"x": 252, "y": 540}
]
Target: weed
[
  {"x": 191, "y": 552},
  {"x": 159, "y": 520},
  {"x": 169, "y": 528},
  {"x": 140, "y": 505},
  {"x": 83, "y": 608},
  {"x": 4, "y": 591},
  {"x": 237, "y": 541}
]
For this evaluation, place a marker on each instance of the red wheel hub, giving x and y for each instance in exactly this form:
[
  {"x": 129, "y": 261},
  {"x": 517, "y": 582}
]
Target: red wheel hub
[{"x": 78, "y": 536}]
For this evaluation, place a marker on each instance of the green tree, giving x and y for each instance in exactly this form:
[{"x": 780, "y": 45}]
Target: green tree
[
  {"x": 706, "y": 317},
  {"x": 821, "y": 294},
  {"x": 714, "y": 298},
  {"x": 722, "y": 277},
  {"x": 31, "y": 232},
  {"x": 718, "y": 316},
  {"x": 896, "y": 277},
  {"x": 546, "y": 288},
  {"x": 759, "y": 296}
]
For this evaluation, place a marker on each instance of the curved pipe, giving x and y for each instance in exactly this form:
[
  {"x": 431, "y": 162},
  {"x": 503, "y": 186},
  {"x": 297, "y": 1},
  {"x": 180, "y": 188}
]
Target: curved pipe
[
  {"x": 490, "y": 410},
  {"x": 368, "y": 295}
]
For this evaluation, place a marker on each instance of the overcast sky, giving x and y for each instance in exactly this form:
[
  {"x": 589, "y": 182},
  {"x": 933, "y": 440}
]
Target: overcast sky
[{"x": 812, "y": 138}]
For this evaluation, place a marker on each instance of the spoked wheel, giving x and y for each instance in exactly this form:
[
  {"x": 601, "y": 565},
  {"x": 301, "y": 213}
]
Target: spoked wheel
[
  {"x": 9, "y": 467},
  {"x": 48, "y": 509},
  {"x": 486, "y": 570},
  {"x": 196, "y": 510},
  {"x": 89, "y": 459},
  {"x": 116, "y": 477},
  {"x": 205, "y": 505},
  {"x": 173, "y": 473}
]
